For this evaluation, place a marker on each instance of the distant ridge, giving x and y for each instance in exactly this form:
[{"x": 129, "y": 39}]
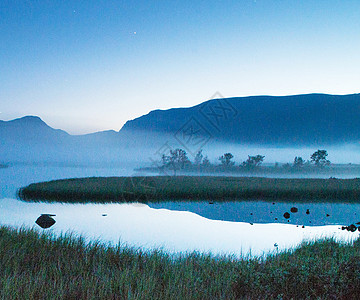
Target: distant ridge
[
  {"x": 30, "y": 139},
  {"x": 27, "y": 120},
  {"x": 35, "y": 129},
  {"x": 312, "y": 119},
  {"x": 29, "y": 128},
  {"x": 300, "y": 120}
]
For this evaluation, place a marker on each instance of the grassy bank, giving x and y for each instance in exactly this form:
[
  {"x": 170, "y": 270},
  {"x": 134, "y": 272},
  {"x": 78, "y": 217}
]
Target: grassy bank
[
  {"x": 39, "y": 266},
  {"x": 156, "y": 189}
]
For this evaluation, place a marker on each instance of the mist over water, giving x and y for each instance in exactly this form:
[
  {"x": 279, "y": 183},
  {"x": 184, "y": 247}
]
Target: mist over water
[
  {"x": 175, "y": 227},
  {"x": 221, "y": 228},
  {"x": 139, "y": 154},
  {"x": 30, "y": 140}
]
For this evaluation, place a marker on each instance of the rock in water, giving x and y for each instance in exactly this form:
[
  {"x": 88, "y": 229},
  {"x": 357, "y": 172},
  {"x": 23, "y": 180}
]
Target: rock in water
[
  {"x": 294, "y": 209},
  {"x": 352, "y": 228},
  {"x": 286, "y": 215},
  {"x": 45, "y": 221}
]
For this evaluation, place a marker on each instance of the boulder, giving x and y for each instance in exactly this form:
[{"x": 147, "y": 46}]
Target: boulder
[
  {"x": 45, "y": 221},
  {"x": 286, "y": 215},
  {"x": 294, "y": 209}
]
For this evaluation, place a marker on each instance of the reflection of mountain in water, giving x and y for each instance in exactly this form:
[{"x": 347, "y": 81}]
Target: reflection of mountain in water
[{"x": 308, "y": 214}]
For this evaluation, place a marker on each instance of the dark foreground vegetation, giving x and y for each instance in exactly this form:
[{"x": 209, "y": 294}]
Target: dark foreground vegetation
[
  {"x": 182, "y": 188},
  {"x": 39, "y": 266}
]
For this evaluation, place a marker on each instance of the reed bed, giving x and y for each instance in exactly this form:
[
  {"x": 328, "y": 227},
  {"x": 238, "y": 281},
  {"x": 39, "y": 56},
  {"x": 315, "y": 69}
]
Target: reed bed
[
  {"x": 36, "y": 265},
  {"x": 184, "y": 188}
]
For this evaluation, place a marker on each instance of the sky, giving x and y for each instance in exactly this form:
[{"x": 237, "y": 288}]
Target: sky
[{"x": 86, "y": 66}]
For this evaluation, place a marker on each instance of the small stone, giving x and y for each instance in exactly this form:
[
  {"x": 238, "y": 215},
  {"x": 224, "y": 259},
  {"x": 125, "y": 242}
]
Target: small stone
[
  {"x": 45, "y": 221},
  {"x": 286, "y": 215},
  {"x": 352, "y": 228},
  {"x": 294, "y": 209}
]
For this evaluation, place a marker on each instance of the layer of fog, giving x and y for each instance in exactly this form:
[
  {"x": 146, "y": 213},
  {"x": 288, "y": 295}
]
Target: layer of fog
[{"x": 144, "y": 149}]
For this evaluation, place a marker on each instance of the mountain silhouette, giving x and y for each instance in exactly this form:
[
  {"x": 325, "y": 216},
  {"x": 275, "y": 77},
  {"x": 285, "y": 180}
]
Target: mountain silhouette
[
  {"x": 312, "y": 119},
  {"x": 301, "y": 120},
  {"x": 29, "y": 128}
]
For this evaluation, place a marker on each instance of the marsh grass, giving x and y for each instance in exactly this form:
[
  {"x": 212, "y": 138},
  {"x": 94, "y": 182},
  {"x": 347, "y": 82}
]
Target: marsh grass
[
  {"x": 37, "y": 265},
  {"x": 183, "y": 188}
]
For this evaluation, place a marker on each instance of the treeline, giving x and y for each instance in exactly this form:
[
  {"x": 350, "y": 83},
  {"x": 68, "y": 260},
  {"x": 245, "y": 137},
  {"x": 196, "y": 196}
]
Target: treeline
[{"x": 178, "y": 160}]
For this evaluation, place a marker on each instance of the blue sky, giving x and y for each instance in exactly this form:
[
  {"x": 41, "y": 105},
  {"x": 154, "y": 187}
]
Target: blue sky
[{"x": 85, "y": 66}]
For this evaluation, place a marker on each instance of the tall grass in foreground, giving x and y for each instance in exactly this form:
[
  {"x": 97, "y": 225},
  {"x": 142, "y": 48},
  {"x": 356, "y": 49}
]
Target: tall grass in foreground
[
  {"x": 40, "y": 266},
  {"x": 165, "y": 188}
]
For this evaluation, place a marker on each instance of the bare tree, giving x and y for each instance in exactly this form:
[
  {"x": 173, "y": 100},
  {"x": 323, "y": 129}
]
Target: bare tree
[
  {"x": 198, "y": 158},
  {"x": 298, "y": 162},
  {"x": 206, "y": 162},
  {"x": 226, "y": 160},
  {"x": 177, "y": 160},
  {"x": 253, "y": 161},
  {"x": 319, "y": 158}
]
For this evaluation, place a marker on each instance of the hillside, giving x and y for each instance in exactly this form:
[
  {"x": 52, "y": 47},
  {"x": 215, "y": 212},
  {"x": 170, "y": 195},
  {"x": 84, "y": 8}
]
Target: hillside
[
  {"x": 29, "y": 128},
  {"x": 267, "y": 120},
  {"x": 314, "y": 121}
]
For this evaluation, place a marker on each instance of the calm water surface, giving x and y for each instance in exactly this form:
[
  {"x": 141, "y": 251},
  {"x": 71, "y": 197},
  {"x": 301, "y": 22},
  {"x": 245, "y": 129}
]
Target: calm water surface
[{"x": 239, "y": 228}]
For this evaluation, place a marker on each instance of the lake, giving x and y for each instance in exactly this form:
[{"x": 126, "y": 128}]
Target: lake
[{"x": 237, "y": 228}]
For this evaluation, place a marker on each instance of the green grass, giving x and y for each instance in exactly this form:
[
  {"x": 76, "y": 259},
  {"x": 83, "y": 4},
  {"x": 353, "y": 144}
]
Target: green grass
[
  {"x": 165, "y": 188},
  {"x": 40, "y": 266}
]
